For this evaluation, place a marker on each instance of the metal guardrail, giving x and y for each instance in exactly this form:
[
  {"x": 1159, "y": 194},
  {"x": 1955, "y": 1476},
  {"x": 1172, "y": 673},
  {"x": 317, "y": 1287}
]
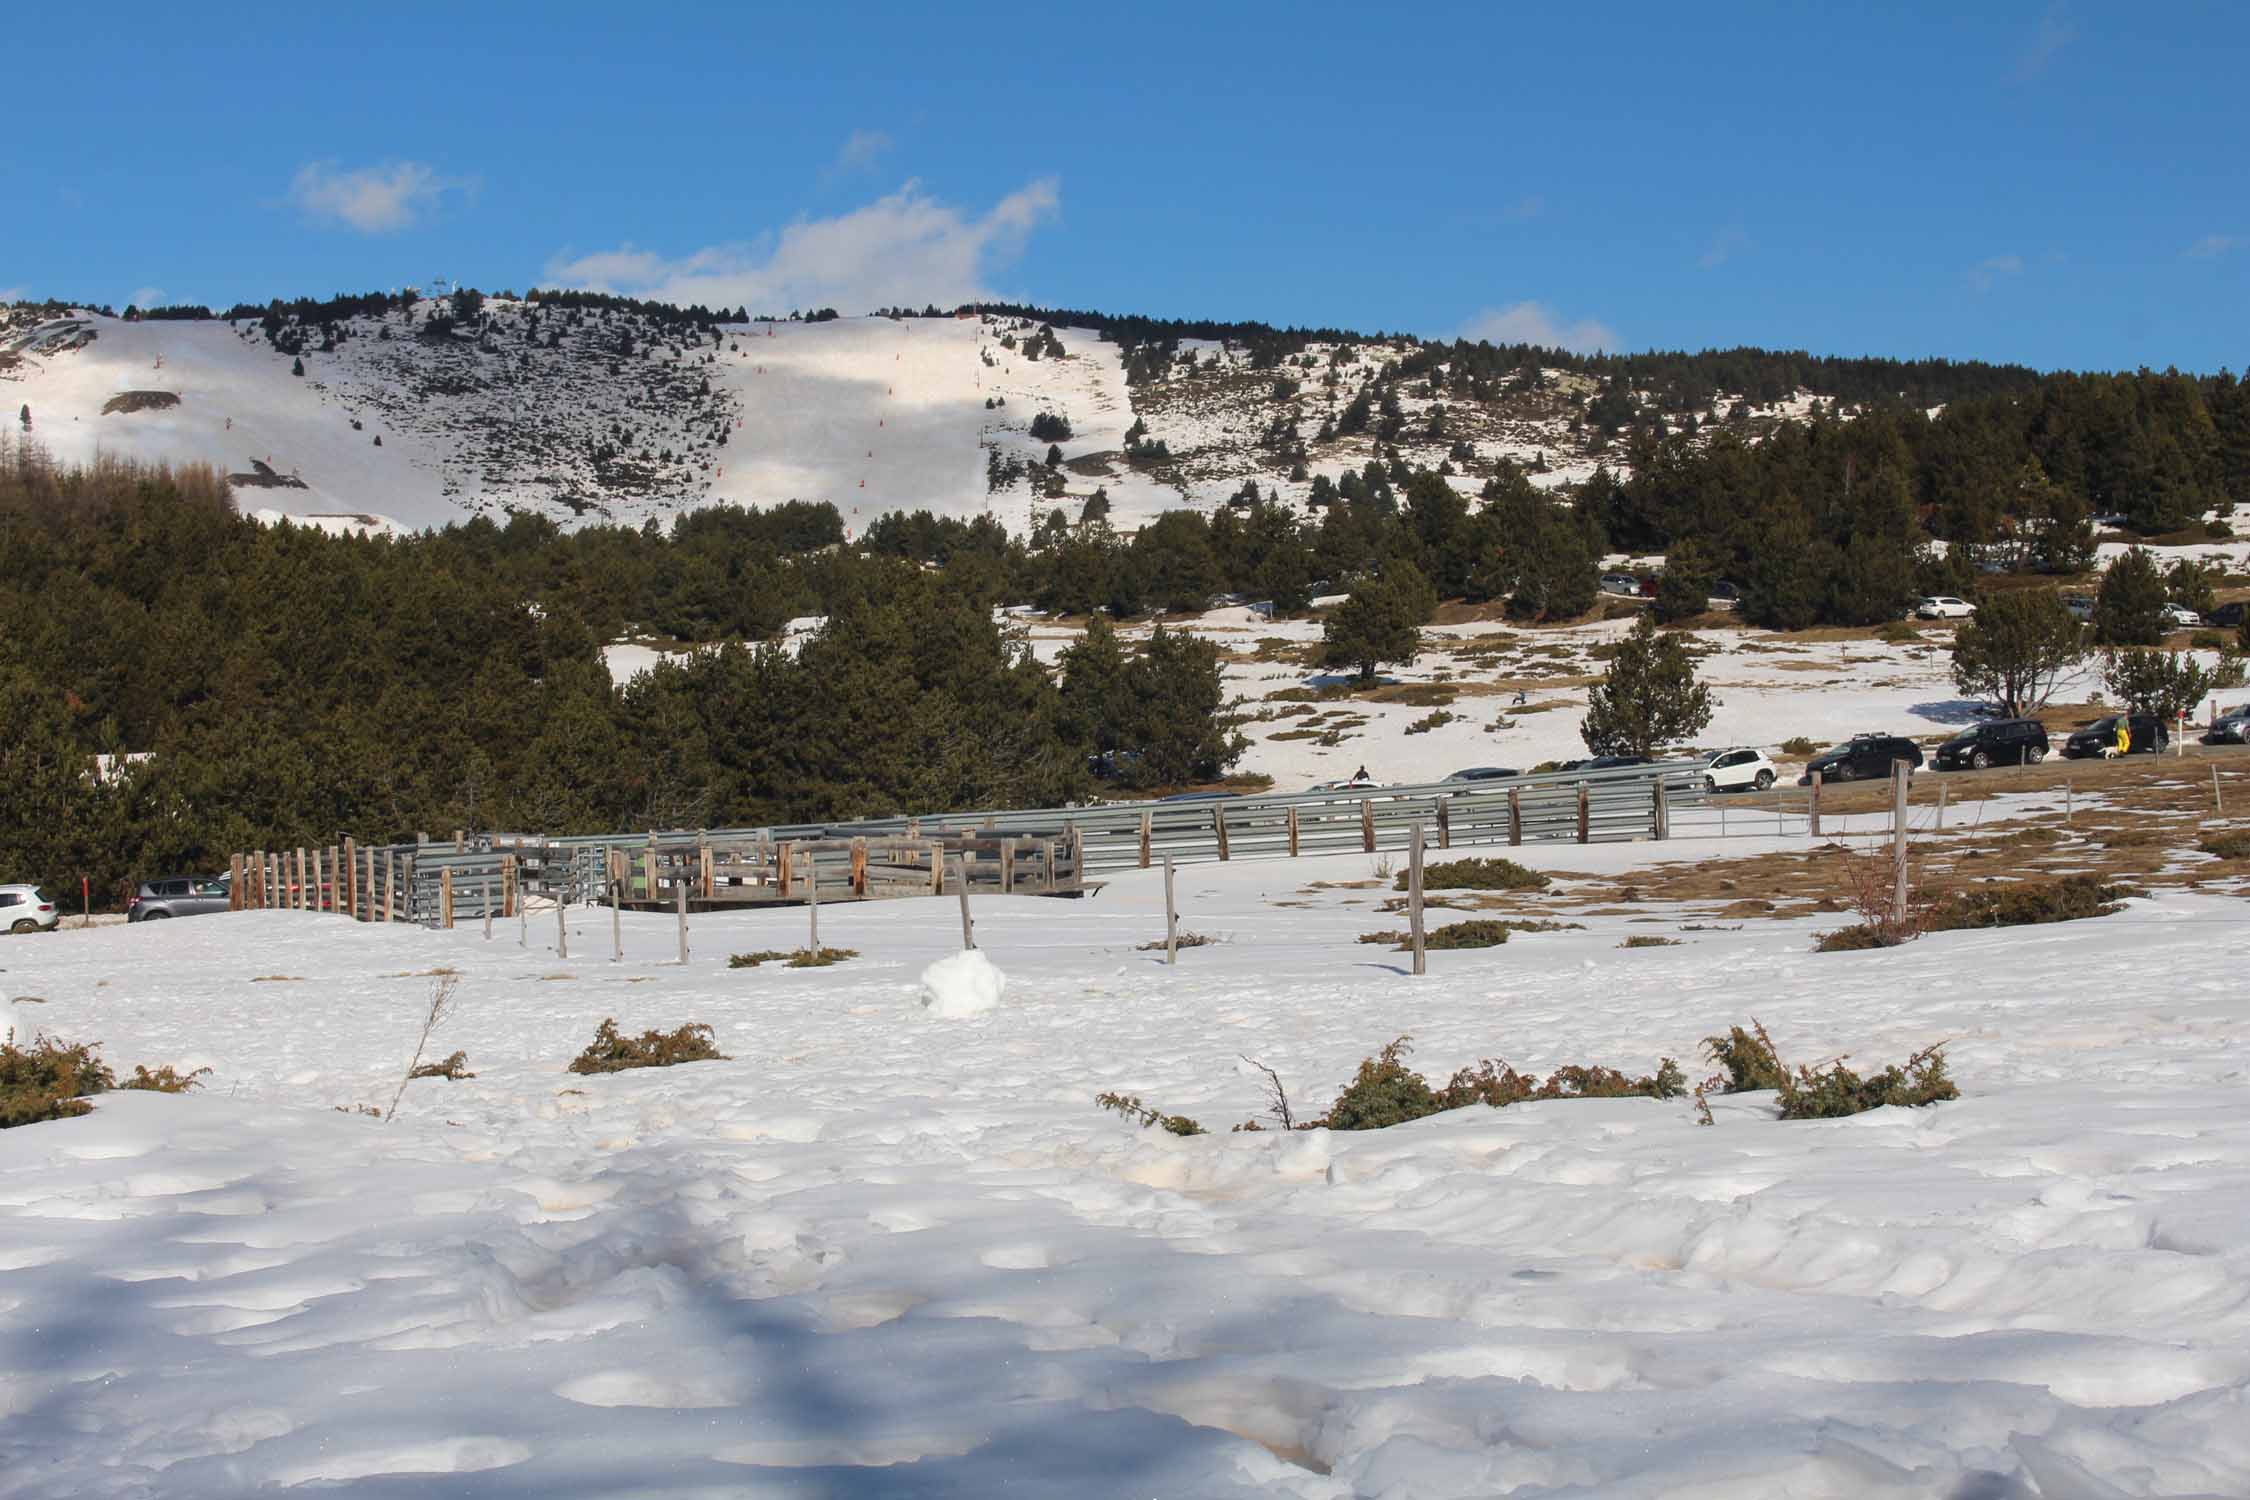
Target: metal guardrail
[{"x": 464, "y": 877}]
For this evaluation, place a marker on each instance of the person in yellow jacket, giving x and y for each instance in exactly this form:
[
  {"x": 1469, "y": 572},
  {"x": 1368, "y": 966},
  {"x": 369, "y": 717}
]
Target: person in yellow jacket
[{"x": 2124, "y": 734}]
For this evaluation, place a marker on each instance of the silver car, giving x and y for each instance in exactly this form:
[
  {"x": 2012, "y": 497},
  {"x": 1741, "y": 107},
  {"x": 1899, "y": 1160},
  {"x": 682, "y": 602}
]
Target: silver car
[
  {"x": 26, "y": 908},
  {"x": 2231, "y": 728},
  {"x": 180, "y": 896}
]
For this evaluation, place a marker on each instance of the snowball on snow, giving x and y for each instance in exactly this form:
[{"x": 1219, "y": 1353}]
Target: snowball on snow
[{"x": 966, "y": 984}]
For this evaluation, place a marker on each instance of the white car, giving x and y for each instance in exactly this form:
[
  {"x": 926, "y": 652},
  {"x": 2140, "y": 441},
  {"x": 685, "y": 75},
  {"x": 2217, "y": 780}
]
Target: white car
[
  {"x": 2080, "y": 607},
  {"x": 1944, "y": 607},
  {"x": 1738, "y": 770},
  {"x": 25, "y": 908},
  {"x": 1621, "y": 583},
  {"x": 2180, "y": 617}
]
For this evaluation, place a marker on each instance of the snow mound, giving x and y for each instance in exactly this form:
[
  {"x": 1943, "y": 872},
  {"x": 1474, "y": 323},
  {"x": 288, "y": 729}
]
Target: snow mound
[{"x": 965, "y": 984}]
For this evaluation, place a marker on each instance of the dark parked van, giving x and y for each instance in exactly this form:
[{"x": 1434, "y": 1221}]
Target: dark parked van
[
  {"x": 2002, "y": 742},
  {"x": 2149, "y": 735},
  {"x": 1863, "y": 755}
]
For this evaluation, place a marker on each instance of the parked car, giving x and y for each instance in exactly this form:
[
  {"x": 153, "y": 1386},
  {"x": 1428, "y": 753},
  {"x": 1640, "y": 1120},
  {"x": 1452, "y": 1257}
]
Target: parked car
[
  {"x": 2231, "y": 727},
  {"x": 1724, "y": 595},
  {"x": 1996, "y": 742},
  {"x": 1621, "y": 583},
  {"x": 1603, "y": 763},
  {"x": 2229, "y": 615},
  {"x": 1650, "y": 585},
  {"x": 25, "y": 908},
  {"x": 2079, "y": 606},
  {"x": 1483, "y": 773},
  {"x": 1738, "y": 770},
  {"x": 1943, "y": 607},
  {"x": 1862, "y": 755},
  {"x": 177, "y": 896},
  {"x": 2180, "y": 617},
  {"x": 2148, "y": 736}
]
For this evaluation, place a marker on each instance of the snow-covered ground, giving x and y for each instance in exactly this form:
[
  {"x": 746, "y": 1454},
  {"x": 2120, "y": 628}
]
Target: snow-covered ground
[{"x": 879, "y": 1253}]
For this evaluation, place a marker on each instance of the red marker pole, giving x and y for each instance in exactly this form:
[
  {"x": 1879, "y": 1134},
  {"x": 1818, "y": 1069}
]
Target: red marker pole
[{"x": 85, "y": 902}]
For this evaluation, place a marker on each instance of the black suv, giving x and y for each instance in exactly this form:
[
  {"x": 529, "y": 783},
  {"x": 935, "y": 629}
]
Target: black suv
[
  {"x": 1861, "y": 755},
  {"x": 2148, "y": 737},
  {"x": 2001, "y": 742}
]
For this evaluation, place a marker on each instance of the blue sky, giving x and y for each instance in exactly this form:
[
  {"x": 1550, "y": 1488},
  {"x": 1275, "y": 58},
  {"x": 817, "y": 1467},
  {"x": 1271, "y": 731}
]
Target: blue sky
[{"x": 2063, "y": 185}]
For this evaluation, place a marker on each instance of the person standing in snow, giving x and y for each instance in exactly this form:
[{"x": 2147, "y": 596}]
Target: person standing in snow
[{"x": 2124, "y": 734}]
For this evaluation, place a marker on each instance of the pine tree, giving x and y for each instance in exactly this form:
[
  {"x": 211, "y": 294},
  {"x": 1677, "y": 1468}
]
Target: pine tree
[
  {"x": 297, "y": 366},
  {"x": 1685, "y": 589},
  {"x": 2164, "y": 683},
  {"x": 2129, "y": 609},
  {"x": 2016, "y": 649},
  {"x": 1379, "y": 622},
  {"x": 1648, "y": 699}
]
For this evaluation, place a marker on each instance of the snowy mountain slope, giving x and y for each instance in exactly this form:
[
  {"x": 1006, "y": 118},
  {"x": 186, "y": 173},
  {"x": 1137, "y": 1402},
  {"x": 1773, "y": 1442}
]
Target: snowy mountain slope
[{"x": 607, "y": 413}]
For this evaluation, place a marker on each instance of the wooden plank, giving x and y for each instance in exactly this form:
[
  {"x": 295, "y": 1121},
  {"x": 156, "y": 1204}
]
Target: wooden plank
[
  {"x": 1146, "y": 820},
  {"x": 1292, "y": 830},
  {"x": 936, "y": 850},
  {"x": 781, "y": 868},
  {"x": 859, "y": 866},
  {"x": 1008, "y": 868},
  {"x": 1367, "y": 825},
  {"x": 349, "y": 903},
  {"x": 1445, "y": 822},
  {"x": 445, "y": 898},
  {"x": 1414, "y": 899},
  {"x": 1515, "y": 815},
  {"x": 1219, "y": 826},
  {"x": 1582, "y": 812},
  {"x": 507, "y": 885},
  {"x": 390, "y": 886},
  {"x": 234, "y": 882}
]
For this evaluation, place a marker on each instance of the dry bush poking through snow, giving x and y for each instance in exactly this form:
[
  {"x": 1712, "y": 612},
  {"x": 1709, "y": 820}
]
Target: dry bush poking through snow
[
  {"x": 48, "y": 1080},
  {"x": 610, "y": 1052},
  {"x": 796, "y": 958},
  {"x": 1130, "y": 1106},
  {"x": 1479, "y": 875},
  {"x": 454, "y": 1069},
  {"x": 1830, "y": 1090}
]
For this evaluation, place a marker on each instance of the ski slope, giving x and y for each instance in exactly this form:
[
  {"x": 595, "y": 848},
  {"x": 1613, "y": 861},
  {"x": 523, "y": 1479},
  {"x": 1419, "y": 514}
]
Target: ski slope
[
  {"x": 881, "y": 1253},
  {"x": 871, "y": 414}
]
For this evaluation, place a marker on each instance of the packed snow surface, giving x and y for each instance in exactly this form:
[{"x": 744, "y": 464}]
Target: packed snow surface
[{"x": 872, "y": 1255}]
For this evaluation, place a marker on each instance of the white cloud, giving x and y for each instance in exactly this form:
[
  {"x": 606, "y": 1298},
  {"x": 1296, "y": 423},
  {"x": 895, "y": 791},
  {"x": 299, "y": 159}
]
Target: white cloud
[
  {"x": 1986, "y": 272},
  {"x": 2212, "y": 246},
  {"x": 860, "y": 150},
  {"x": 372, "y": 200},
  {"x": 1724, "y": 246},
  {"x": 906, "y": 247},
  {"x": 146, "y": 297},
  {"x": 2056, "y": 31},
  {"x": 14, "y": 293},
  {"x": 1536, "y": 323}
]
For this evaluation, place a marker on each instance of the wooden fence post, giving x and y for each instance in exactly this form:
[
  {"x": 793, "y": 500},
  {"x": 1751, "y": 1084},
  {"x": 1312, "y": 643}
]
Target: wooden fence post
[
  {"x": 350, "y": 891},
  {"x": 488, "y": 908},
  {"x": 562, "y": 926},
  {"x": 445, "y": 898},
  {"x": 1445, "y": 822},
  {"x": 782, "y": 858},
  {"x": 2218, "y": 799},
  {"x": 304, "y": 868},
  {"x": 1812, "y": 809},
  {"x": 812, "y": 904},
  {"x": 1171, "y": 917},
  {"x": 1007, "y": 867},
  {"x": 1292, "y": 830},
  {"x": 1515, "y": 815},
  {"x": 968, "y": 931},
  {"x": 616, "y": 920},
  {"x": 460, "y": 844},
  {"x": 1414, "y": 898},
  {"x": 859, "y": 867},
  {"x": 679, "y": 898},
  {"x": 1661, "y": 808},
  {"x": 1585, "y": 810},
  {"x": 1898, "y": 840},
  {"x": 1146, "y": 829},
  {"x": 937, "y": 867},
  {"x": 507, "y": 885},
  {"x": 234, "y": 882},
  {"x": 1047, "y": 864},
  {"x": 390, "y": 885},
  {"x": 1942, "y": 788},
  {"x": 1219, "y": 826},
  {"x": 1367, "y": 825}
]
